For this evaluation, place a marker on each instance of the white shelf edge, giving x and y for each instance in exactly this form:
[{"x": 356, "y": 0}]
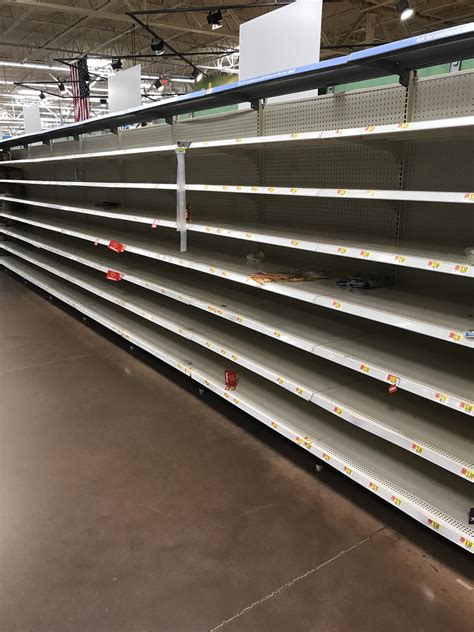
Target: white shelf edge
[
  {"x": 453, "y": 197},
  {"x": 329, "y": 302},
  {"x": 361, "y": 365},
  {"x": 401, "y": 131},
  {"x": 404, "y": 501},
  {"x": 422, "y": 448},
  {"x": 388, "y": 255}
]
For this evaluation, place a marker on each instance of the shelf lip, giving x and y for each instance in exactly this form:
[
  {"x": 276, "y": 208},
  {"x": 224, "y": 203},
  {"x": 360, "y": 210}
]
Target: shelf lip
[
  {"x": 452, "y": 197},
  {"x": 333, "y": 300},
  {"x": 402, "y": 255},
  {"x": 393, "y": 132},
  {"x": 361, "y": 365},
  {"x": 403, "y": 500},
  {"x": 445, "y": 45}
]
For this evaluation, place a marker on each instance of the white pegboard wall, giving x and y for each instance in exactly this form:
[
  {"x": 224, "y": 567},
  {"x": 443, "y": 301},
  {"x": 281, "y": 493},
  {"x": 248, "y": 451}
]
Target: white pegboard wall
[
  {"x": 237, "y": 124},
  {"x": 331, "y": 111},
  {"x": 444, "y": 96}
]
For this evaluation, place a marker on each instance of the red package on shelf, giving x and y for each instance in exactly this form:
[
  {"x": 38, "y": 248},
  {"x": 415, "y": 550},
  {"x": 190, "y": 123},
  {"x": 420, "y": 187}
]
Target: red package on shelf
[
  {"x": 116, "y": 246},
  {"x": 113, "y": 275},
  {"x": 230, "y": 379}
]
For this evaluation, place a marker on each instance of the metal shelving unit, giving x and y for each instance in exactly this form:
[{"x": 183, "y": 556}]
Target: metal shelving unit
[{"x": 392, "y": 199}]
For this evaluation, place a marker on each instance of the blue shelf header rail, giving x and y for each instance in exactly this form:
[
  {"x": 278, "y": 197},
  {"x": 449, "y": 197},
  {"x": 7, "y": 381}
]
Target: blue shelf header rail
[{"x": 396, "y": 58}]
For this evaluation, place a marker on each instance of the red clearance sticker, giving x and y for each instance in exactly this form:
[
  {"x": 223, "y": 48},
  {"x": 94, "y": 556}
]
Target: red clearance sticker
[
  {"x": 230, "y": 379},
  {"x": 116, "y": 246},
  {"x": 112, "y": 275},
  {"x": 392, "y": 389},
  {"x": 155, "y": 223}
]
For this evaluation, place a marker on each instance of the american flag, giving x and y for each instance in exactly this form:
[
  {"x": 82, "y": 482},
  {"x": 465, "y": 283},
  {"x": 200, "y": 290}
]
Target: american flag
[{"x": 80, "y": 90}]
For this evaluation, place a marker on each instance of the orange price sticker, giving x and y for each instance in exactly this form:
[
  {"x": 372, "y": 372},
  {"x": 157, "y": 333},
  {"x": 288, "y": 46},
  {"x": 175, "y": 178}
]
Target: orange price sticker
[
  {"x": 467, "y": 473},
  {"x": 396, "y": 501},
  {"x": 454, "y": 335},
  {"x": 364, "y": 368},
  {"x": 465, "y": 406},
  {"x": 416, "y": 448},
  {"x": 433, "y": 264},
  {"x": 337, "y": 410},
  {"x": 299, "y": 440},
  {"x": 467, "y": 543},
  {"x": 441, "y": 397},
  {"x": 393, "y": 379}
]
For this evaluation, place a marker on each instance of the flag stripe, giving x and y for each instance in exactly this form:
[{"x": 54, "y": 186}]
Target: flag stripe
[{"x": 80, "y": 90}]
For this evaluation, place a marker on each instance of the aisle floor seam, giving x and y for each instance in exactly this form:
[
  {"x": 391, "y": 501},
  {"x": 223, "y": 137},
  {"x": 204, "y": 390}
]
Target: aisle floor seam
[
  {"x": 35, "y": 366},
  {"x": 296, "y": 579}
]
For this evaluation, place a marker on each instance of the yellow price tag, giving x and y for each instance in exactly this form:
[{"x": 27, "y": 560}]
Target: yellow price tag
[
  {"x": 299, "y": 390},
  {"x": 454, "y": 335},
  {"x": 416, "y": 448},
  {"x": 364, "y": 368},
  {"x": 396, "y": 501},
  {"x": 433, "y": 264},
  {"x": 336, "y": 305},
  {"x": 326, "y": 457},
  {"x": 434, "y": 524},
  {"x": 374, "y": 487},
  {"x": 347, "y": 470},
  {"x": 342, "y": 251},
  {"x": 274, "y": 424},
  {"x": 337, "y": 410}
]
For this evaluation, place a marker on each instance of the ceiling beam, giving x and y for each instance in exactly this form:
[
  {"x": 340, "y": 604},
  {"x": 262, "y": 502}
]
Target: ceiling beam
[{"x": 116, "y": 17}]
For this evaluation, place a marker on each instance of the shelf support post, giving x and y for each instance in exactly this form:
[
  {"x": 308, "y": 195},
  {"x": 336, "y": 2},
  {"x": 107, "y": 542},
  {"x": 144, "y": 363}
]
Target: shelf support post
[{"x": 181, "y": 225}]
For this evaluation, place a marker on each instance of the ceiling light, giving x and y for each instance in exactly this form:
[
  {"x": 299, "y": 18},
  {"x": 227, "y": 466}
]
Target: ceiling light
[
  {"x": 61, "y": 87},
  {"x": 116, "y": 63},
  {"x": 197, "y": 74},
  {"x": 182, "y": 79},
  {"x": 214, "y": 19},
  {"x": 405, "y": 10},
  {"x": 42, "y": 95},
  {"x": 157, "y": 46},
  {"x": 17, "y": 64}
]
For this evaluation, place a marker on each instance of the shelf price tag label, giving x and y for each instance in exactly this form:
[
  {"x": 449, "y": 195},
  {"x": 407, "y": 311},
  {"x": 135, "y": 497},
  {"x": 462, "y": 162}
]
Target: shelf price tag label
[
  {"x": 468, "y": 408},
  {"x": 416, "y": 448},
  {"x": 467, "y": 543},
  {"x": 434, "y": 265},
  {"x": 116, "y": 246},
  {"x": 441, "y": 397},
  {"x": 469, "y": 196},
  {"x": 432, "y": 523},
  {"x": 155, "y": 223},
  {"x": 230, "y": 380},
  {"x": 364, "y": 368},
  {"x": 468, "y": 473},
  {"x": 396, "y": 501},
  {"x": 373, "y": 487},
  {"x": 347, "y": 470},
  {"x": 113, "y": 275},
  {"x": 461, "y": 269}
]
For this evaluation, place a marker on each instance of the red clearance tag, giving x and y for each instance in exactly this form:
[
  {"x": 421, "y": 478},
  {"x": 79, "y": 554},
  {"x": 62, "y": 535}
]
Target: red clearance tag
[
  {"x": 116, "y": 246},
  {"x": 392, "y": 389},
  {"x": 112, "y": 275},
  {"x": 230, "y": 380},
  {"x": 155, "y": 223}
]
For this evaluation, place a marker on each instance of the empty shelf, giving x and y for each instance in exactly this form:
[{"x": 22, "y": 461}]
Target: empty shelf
[
  {"x": 457, "y": 197},
  {"x": 460, "y": 127},
  {"x": 426, "y": 492},
  {"x": 432, "y": 258},
  {"x": 408, "y": 310},
  {"x": 363, "y": 346}
]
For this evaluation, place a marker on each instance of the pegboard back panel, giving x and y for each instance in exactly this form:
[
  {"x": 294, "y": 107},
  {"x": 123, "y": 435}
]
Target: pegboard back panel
[
  {"x": 237, "y": 124},
  {"x": 444, "y": 96},
  {"x": 345, "y": 109}
]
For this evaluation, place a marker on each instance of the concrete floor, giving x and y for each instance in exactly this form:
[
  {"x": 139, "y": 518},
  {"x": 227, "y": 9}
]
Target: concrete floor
[{"x": 131, "y": 504}]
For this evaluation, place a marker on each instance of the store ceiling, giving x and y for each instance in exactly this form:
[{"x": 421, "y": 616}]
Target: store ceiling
[{"x": 42, "y": 32}]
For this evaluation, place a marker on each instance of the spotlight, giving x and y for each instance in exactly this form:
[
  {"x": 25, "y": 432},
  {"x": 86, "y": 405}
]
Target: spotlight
[
  {"x": 197, "y": 75},
  {"x": 214, "y": 18},
  {"x": 405, "y": 10},
  {"x": 61, "y": 86},
  {"x": 157, "y": 46},
  {"x": 116, "y": 63},
  {"x": 103, "y": 102},
  {"x": 42, "y": 95},
  {"x": 157, "y": 84}
]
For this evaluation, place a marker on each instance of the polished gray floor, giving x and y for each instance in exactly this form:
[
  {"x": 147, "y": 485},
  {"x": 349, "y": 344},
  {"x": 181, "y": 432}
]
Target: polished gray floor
[{"x": 131, "y": 504}]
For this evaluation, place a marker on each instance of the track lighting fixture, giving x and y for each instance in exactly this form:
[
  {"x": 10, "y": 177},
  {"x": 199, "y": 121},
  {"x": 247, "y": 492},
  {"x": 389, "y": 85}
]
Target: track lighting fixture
[
  {"x": 197, "y": 74},
  {"x": 405, "y": 10},
  {"x": 214, "y": 19},
  {"x": 116, "y": 63},
  {"x": 157, "y": 46},
  {"x": 157, "y": 84},
  {"x": 103, "y": 102},
  {"x": 61, "y": 87},
  {"x": 42, "y": 95}
]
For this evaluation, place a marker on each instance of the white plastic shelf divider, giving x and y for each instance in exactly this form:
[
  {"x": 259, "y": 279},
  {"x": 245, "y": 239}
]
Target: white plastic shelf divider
[
  {"x": 396, "y": 132},
  {"x": 427, "y": 493},
  {"x": 363, "y": 348},
  {"x": 454, "y": 197},
  {"x": 413, "y": 312},
  {"x": 420, "y": 256}
]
